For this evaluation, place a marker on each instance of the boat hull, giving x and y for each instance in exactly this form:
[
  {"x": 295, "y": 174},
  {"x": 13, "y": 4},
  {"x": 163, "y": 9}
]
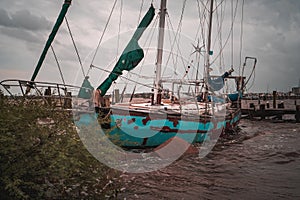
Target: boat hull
[{"x": 138, "y": 129}]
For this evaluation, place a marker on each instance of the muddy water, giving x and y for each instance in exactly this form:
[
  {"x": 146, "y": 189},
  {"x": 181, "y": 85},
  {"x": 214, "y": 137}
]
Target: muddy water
[{"x": 260, "y": 162}]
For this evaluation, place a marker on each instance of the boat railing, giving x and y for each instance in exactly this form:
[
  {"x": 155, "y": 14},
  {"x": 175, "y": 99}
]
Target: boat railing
[{"x": 57, "y": 94}]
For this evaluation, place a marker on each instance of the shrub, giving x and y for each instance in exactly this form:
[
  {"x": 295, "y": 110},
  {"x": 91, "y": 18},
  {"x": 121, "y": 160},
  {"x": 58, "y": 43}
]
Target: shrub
[{"x": 42, "y": 156}]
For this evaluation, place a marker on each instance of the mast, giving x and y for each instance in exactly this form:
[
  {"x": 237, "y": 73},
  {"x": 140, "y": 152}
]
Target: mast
[
  {"x": 157, "y": 90},
  {"x": 52, "y": 35},
  {"x": 208, "y": 51}
]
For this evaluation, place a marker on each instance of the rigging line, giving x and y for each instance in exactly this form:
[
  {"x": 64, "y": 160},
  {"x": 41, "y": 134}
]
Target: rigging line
[
  {"x": 227, "y": 39},
  {"x": 199, "y": 25},
  {"x": 219, "y": 35},
  {"x": 101, "y": 38},
  {"x": 183, "y": 63},
  {"x": 128, "y": 72},
  {"x": 218, "y": 5},
  {"x": 74, "y": 44},
  {"x": 119, "y": 28},
  {"x": 202, "y": 18},
  {"x": 127, "y": 75},
  {"x": 172, "y": 45},
  {"x": 222, "y": 60},
  {"x": 221, "y": 20},
  {"x": 241, "y": 36},
  {"x": 58, "y": 65},
  {"x": 202, "y": 22},
  {"x": 150, "y": 35},
  {"x": 252, "y": 84},
  {"x": 177, "y": 32},
  {"x": 205, "y": 6},
  {"x": 118, "y": 42},
  {"x": 252, "y": 72},
  {"x": 122, "y": 77},
  {"x": 141, "y": 8},
  {"x": 232, "y": 50},
  {"x": 174, "y": 62}
]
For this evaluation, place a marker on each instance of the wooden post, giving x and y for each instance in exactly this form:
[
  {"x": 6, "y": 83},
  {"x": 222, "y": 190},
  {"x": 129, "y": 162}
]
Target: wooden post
[
  {"x": 262, "y": 109},
  {"x": 268, "y": 104},
  {"x": 117, "y": 96},
  {"x": 274, "y": 99},
  {"x": 281, "y": 105},
  {"x": 251, "y": 105},
  {"x": 68, "y": 100},
  {"x": 106, "y": 101},
  {"x": 47, "y": 95},
  {"x": 297, "y": 116}
]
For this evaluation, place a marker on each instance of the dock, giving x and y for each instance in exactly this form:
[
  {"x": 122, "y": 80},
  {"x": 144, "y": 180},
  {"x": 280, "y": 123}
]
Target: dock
[{"x": 272, "y": 107}]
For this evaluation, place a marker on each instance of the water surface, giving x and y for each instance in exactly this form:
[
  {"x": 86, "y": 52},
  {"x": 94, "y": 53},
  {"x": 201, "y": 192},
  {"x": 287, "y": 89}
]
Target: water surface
[{"x": 261, "y": 162}]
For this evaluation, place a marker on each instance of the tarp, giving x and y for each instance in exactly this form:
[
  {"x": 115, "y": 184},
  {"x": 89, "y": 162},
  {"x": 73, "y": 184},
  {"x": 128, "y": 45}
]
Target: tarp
[
  {"x": 51, "y": 37},
  {"x": 132, "y": 54},
  {"x": 218, "y": 82},
  {"x": 86, "y": 90}
]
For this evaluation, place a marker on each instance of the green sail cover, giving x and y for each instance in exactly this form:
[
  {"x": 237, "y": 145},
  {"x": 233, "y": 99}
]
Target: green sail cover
[
  {"x": 131, "y": 55},
  {"x": 51, "y": 37}
]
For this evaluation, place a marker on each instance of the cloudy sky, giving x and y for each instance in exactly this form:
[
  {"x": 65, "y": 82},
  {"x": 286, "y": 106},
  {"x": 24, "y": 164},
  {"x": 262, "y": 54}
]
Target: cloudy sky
[{"x": 270, "y": 33}]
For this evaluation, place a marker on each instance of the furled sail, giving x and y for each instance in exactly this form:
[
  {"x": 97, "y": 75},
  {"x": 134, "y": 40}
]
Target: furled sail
[
  {"x": 52, "y": 35},
  {"x": 131, "y": 55}
]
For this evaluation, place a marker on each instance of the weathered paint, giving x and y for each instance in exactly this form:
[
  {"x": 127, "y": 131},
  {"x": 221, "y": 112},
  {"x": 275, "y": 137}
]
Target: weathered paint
[{"x": 142, "y": 130}]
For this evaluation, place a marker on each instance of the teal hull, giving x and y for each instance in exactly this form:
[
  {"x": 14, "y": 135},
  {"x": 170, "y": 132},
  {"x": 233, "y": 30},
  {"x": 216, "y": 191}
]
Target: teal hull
[{"x": 138, "y": 130}]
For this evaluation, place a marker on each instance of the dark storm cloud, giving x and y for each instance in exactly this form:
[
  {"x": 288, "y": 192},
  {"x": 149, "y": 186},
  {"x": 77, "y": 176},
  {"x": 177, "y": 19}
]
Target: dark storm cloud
[
  {"x": 271, "y": 34},
  {"x": 271, "y": 29},
  {"x": 23, "y": 19}
]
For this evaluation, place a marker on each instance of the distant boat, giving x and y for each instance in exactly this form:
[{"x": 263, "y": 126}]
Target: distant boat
[{"x": 194, "y": 115}]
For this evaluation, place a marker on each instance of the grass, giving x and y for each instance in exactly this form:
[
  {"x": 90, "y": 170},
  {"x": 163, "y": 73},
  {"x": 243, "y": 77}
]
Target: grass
[{"x": 47, "y": 160}]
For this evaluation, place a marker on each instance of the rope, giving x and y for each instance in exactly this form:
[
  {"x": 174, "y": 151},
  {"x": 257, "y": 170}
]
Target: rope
[
  {"x": 177, "y": 33},
  {"x": 220, "y": 20},
  {"x": 141, "y": 8},
  {"x": 227, "y": 39},
  {"x": 61, "y": 74},
  {"x": 122, "y": 77},
  {"x": 128, "y": 74},
  {"x": 241, "y": 37},
  {"x": 218, "y": 5},
  {"x": 119, "y": 29},
  {"x": 150, "y": 35},
  {"x": 178, "y": 47},
  {"x": 75, "y": 46},
  {"x": 101, "y": 38},
  {"x": 232, "y": 33}
]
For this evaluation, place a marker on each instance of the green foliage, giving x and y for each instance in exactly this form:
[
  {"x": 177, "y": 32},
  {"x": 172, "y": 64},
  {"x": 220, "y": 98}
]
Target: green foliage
[{"x": 42, "y": 157}]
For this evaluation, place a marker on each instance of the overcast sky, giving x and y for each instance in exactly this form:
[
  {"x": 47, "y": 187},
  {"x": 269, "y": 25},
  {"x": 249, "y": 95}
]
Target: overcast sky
[{"x": 271, "y": 33}]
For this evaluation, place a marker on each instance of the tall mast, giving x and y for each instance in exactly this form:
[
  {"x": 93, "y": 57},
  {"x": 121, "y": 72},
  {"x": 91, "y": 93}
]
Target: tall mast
[
  {"x": 157, "y": 90},
  {"x": 208, "y": 51}
]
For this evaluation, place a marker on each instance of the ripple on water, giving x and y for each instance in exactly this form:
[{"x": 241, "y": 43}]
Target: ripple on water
[{"x": 262, "y": 162}]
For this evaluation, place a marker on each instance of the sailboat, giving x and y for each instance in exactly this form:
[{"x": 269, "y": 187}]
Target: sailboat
[
  {"x": 156, "y": 121},
  {"x": 193, "y": 115}
]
